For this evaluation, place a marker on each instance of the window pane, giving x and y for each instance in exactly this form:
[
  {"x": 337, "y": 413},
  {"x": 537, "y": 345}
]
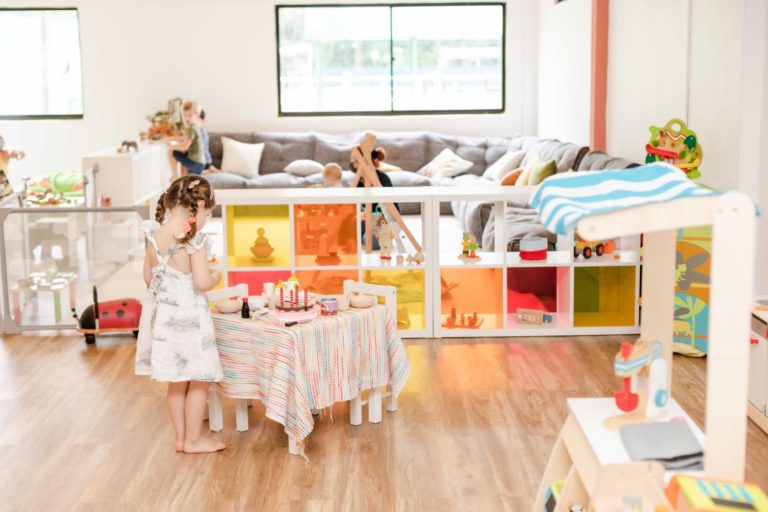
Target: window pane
[
  {"x": 41, "y": 60},
  {"x": 334, "y": 59},
  {"x": 448, "y": 57}
]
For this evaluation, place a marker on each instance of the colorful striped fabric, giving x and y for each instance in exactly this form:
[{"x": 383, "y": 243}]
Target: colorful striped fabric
[
  {"x": 563, "y": 200},
  {"x": 294, "y": 370}
]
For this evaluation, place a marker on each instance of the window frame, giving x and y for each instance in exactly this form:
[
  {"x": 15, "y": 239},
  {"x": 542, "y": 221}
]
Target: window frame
[
  {"x": 391, "y": 111},
  {"x": 39, "y": 117}
]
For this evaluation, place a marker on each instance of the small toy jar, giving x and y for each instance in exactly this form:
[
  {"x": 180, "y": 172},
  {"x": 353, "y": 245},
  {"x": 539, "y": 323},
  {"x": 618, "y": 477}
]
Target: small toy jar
[{"x": 328, "y": 307}]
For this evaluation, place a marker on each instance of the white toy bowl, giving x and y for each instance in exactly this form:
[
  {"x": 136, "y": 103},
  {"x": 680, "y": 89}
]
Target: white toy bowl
[
  {"x": 361, "y": 301},
  {"x": 227, "y": 306}
]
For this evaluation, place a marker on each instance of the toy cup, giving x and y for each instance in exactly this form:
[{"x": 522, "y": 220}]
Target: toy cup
[{"x": 269, "y": 289}]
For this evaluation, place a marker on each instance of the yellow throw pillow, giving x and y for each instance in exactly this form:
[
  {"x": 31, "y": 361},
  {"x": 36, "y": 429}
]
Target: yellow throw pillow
[
  {"x": 522, "y": 180},
  {"x": 541, "y": 170},
  {"x": 511, "y": 177}
]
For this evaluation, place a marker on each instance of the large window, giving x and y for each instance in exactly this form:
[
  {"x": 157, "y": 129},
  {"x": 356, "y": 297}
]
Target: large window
[
  {"x": 390, "y": 59},
  {"x": 41, "y": 76}
]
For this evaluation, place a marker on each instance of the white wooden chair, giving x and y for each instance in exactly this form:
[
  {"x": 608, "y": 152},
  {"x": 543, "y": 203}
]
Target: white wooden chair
[
  {"x": 215, "y": 412},
  {"x": 389, "y": 293}
]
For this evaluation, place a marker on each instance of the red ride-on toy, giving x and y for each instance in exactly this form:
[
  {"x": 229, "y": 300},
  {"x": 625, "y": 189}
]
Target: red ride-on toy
[{"x": 113, "y": 316}]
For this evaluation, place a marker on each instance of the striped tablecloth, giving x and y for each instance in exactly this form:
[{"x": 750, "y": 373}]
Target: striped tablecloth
[{"x": 293, "y": 370}]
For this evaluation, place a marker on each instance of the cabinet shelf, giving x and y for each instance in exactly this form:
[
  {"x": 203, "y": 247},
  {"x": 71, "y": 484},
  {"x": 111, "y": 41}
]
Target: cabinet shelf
[{"x": 487, "y": 260}]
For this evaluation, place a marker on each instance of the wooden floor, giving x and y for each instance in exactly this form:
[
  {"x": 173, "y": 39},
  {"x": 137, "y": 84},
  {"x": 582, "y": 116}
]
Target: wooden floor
[{"x": 78, "y": 431}]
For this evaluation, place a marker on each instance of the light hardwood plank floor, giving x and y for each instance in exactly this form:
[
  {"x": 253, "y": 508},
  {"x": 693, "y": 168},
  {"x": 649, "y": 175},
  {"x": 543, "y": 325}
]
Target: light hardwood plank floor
[{"x": 78, "y": 431}]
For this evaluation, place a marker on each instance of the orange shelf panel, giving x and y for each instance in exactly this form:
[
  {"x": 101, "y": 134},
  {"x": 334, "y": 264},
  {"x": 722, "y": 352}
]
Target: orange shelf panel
[
  {"x": 325, "y": 234},
  {"x": 470, "y": 292}
]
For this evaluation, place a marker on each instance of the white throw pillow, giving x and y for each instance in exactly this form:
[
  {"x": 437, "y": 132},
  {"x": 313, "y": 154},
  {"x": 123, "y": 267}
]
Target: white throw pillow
[
  {"x": 507, "y": 163},
  {"x": 304, "y": 168},
  {"x": 445, "y": 165},
  {"x": 241, "y": 158}
]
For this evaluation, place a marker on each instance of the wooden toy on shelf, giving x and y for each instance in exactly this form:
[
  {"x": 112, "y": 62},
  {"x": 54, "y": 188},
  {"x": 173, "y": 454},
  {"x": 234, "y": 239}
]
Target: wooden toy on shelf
[
  {"x": 533, "y": 248},
  {"x": 5, "y": 158},
  {"x": 453, "y": 321},
  {"x": 533, "y": 317},
  {"x": 400, "y": 259},
  {"x": 361, "y": 160},
  {"x": 675, "y": 144},
  {"x": 416, "y": 258},
  {"x": 261, "y": 249},
  {"x": 468, "y": 247},
  {"x": 127, "y": 146},
  {"x": 588, "y": 248},
  {"x": 645, "y": 400},
  {"x": 385, "y": 237},
  {"x": 113, "y": 316},
  {"x": 692, "y": 493}
]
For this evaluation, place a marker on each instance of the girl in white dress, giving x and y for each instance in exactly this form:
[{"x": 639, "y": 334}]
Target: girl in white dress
[{"x": 176, "y": 341}]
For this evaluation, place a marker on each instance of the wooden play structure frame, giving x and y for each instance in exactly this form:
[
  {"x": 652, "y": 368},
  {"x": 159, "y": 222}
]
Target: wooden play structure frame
[
  {"x": 579, "y": 453},
  {"x": 361, "y": 160}
]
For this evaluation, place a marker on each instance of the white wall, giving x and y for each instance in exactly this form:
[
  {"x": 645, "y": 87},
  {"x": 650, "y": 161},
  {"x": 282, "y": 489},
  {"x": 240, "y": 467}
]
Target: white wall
[
  {"x": 564, "y": 74},
  {"x": 649, "y": 80},
  {"x": 138, "y": 53}
]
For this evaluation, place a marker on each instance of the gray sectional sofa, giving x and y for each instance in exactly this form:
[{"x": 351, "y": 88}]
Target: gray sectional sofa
[{"x": 411, "y": 151}]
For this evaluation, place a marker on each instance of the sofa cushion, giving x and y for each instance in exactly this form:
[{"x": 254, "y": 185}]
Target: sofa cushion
[
  {"x": 566, "y": 155},
  {"x": 408, "y": 152},
  {"x": 336, "y": 148},
  {"x": 408, "y": 179},
  {"x": 216, "y": 147},
  {"x": 599, "y": 160},
  {"x": 226, "y": 180},
  {"x": 280, "y": 149},
  {"x": 241, "y": 158},
  {"x": 521, "y": 222},
  {"x": 277, "y": 180}
]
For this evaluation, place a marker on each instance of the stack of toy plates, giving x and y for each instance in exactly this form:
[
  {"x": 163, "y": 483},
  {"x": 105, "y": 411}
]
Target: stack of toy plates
[{"x": 533, "y": 248}]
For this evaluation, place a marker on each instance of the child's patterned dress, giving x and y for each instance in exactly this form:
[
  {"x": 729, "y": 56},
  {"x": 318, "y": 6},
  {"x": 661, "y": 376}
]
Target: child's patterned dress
[{"x": 176, "y": 337}]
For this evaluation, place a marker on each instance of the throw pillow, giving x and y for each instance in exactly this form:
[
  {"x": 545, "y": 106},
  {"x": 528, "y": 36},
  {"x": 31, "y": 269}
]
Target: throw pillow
[
  {"x": 445, "y": 165},
  {"x": 511, "y": 177},
  {"x": 504, "y": 165},
  {"x": 385, "y": 167},
  {"x": 241, "y": 158},
  {"x": 522, "y": 180},
  {"x": 303, "y": 168},
  {"x": 541, "y": 170}
]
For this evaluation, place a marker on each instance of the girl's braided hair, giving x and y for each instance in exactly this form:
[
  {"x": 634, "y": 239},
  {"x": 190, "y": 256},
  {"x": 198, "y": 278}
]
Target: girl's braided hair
[{"x": 186, "y": 191}]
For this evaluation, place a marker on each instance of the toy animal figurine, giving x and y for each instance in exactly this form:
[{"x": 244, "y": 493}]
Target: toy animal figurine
[
  {"x": 127, "y": 146},
  {"x": 261, "y": 250},
  {"x": 644, "y": 396},
  {"x": 417, "y": 258},
  {"x": 5, "y": 158},
  {"x": 114, "y": 316},
  {"x": 469, "y": 247},
  {"x": 400, "y": 259},
  {"x": 386, "y": 237}
]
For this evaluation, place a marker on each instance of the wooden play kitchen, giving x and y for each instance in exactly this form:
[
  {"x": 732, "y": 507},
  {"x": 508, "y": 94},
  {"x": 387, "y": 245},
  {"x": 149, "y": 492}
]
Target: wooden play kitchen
[{"x": 589, "y": 447}]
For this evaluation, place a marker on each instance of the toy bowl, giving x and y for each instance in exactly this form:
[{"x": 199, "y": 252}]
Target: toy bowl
[
  {"x": 361, "y": 301},
  {"x": 227, "y": 306},
  {"x": 256, "y": 302}
]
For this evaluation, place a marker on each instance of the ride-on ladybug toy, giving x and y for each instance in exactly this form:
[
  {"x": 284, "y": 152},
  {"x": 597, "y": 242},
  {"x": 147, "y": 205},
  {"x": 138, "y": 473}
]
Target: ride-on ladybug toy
[{"x": 112, "y": 316}]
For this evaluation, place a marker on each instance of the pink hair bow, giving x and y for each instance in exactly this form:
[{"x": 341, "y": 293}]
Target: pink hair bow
[
  {"x": 193, "y": 184},
  {"x": 188, "y": 224}
]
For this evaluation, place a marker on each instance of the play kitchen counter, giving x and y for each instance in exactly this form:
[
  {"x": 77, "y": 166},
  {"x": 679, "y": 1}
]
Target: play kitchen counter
[{"x": 316, "y": 235}]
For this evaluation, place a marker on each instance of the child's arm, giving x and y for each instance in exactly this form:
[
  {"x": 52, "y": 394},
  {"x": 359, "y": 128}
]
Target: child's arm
[
  {"x": 148, "y": 263},
  {"x": 203, "y": 278}
]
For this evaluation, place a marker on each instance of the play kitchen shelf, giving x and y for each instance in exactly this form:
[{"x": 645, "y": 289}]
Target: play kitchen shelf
[{"x": 316, "y": 235}]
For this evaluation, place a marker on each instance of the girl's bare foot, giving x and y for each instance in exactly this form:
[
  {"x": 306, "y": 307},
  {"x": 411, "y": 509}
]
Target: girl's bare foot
[
  {"x": 203, "y": 445},
  {"x": 180, "y": 444}
]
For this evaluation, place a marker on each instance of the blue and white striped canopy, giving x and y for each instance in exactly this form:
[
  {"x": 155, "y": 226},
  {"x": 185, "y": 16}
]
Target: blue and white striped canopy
[{"x": 564, "y": 199}]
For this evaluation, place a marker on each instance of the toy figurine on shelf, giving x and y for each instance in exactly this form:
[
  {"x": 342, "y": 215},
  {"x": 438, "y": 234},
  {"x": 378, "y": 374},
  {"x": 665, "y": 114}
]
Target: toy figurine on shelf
[
  {"x": 462, "y": 321},
  {"x": 469, "y": 247},
  {"x": 416, "y": 258},
  {"x": 5, "y": 158},
  {"x": 587, "y": 248},
  {"x": 644, "y": 396},
  {"x": 261, "y": 250},
  {"x": 386, "y": 237}
]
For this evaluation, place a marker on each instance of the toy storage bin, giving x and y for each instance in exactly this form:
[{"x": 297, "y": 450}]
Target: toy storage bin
[
  {"x": 411, "y": 294},
  {"x": 325, "y": 234},
  {"x": 242, "y": 227},
  {"x": 604, "y": 296},
  {"x": 476, "y": 294},
  {"x": 545, "y": 289}
]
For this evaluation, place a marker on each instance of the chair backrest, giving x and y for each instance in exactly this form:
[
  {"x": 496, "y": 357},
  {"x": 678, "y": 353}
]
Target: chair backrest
[
  {"x": 388, "y": 292},
  {"x": 239, "y": 291}
]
